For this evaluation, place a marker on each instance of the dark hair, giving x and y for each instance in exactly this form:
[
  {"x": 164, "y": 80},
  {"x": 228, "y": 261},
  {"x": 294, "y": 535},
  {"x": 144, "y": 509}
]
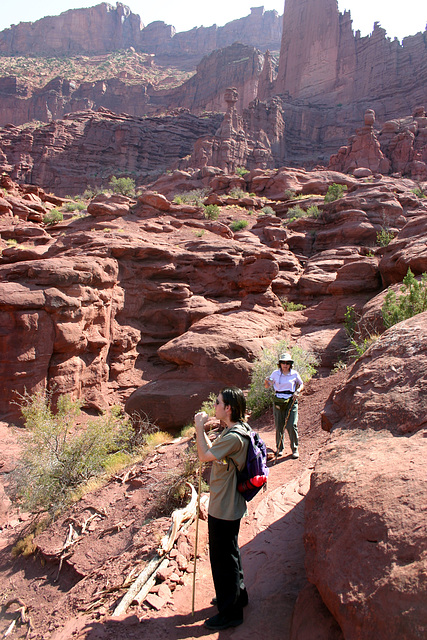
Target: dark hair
[{"x": 234, "y": 398}]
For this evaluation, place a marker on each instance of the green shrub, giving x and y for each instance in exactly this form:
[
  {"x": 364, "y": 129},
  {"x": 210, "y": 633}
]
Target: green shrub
[
  {"x": 241, "y": 171},
  {"x": 268, "y": 211},
  {"x": 124, "y": 186},
  {"x": 313, "y": 211},
  {"x": 92, "y": 192},
  {"x": 209, "y": 405},
  {"x": 212, "y": 212},
  {"x": 238, "y": 225},
  {"x": 53, "y": 217},
  {"x": 259, "y": 398},
  {"x": 384, "y": 237},
  {"x": 419, "y": 192},
  {"x": 358, "y": 342},
  {"x": 296, "y": 212},
  {"x": 290, "y": 194},
  {"x": 237, "y": 193},
  {"x": 194, "y": 197},
  {"x": 335, "y": 191},
  {"x": 74, "y": 206},
  {"x": 291, "y": 306},
  {"x": 58, "y": 457},
  {"x": 413, "y": 300}
]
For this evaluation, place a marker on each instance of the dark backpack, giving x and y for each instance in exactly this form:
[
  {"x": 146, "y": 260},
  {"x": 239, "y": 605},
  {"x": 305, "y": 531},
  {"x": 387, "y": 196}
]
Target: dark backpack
[{"x": 253, "y": 477}]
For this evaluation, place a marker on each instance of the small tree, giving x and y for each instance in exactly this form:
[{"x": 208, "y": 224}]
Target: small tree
[
  {"x": 259, "y": 398},
  {"x": 413, "y": 300},
  {"x": 238, "y": 225},
  {"x": 124, "y": 186}
]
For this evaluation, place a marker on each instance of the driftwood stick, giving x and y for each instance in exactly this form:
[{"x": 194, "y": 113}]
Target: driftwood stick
[
  {"x": 136, "y": 587},
  {"x": 140, "y": 597}
]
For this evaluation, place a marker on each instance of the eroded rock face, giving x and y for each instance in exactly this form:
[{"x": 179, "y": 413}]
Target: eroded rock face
[
  {"x": 365, "y": 533},
  {"x": 322, "y": 60}
]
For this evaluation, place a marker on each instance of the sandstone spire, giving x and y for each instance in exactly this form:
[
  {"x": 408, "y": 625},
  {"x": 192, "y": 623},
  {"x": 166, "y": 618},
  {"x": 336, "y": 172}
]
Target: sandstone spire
[{"x": 309, "y": 49}]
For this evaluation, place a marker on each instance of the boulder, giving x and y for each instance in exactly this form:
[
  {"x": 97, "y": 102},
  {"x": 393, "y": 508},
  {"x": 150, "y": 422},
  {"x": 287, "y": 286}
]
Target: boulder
[{"x": 366, "y": 532}]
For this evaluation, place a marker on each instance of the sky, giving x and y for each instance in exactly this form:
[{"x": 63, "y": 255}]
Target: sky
[{"x": 398, "y": 18}]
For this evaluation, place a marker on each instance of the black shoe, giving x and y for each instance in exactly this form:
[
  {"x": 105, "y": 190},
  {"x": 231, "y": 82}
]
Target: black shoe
[{"x": 219, "y": 622}]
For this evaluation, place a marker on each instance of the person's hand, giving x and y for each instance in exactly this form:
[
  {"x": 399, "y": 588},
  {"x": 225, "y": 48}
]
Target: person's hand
[{"x": 200, "y": 419}]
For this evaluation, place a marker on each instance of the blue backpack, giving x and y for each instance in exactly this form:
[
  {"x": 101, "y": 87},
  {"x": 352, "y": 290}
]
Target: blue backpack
[{"x": 253, "y": 477}]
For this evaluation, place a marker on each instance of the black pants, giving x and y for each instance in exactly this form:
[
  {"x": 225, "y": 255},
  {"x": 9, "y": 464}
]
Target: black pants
[{"x": 226, "y": 566}]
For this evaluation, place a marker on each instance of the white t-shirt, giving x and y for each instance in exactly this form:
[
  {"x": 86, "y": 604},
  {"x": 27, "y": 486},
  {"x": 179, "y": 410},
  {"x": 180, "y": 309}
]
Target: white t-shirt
[{"x": 285, "y": 383}]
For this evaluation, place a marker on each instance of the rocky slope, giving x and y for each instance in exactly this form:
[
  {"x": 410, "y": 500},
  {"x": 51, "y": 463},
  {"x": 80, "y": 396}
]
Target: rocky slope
[{"x": 147, "y": 294}]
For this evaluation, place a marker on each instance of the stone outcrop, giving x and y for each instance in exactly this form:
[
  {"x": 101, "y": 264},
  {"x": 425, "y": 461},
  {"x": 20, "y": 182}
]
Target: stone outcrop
[
  {"x": 323, "y": 61},
  {"x": 367, "y": 490},
  {"x": 255, "y": 140},
  {"x": 237, "y": 65},
  {"x": 393, "y": 365},
  {"x": 365, "y": 533},
  {"x": 93, "y": 30},
  {"x": 323, "y": 78},
  {"x": 400, "y": 147}
]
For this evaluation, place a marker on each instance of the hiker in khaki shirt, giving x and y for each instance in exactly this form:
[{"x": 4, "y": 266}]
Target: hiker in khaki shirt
[{"x": 226, "y": 505}]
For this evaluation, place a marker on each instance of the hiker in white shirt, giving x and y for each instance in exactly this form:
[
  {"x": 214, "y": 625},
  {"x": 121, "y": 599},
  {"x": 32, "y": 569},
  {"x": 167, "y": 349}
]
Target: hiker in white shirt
[{"x": 287, "y": 385}]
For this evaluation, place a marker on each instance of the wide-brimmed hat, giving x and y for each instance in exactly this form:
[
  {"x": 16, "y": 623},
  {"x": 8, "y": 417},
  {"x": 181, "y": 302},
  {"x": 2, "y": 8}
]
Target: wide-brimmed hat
[{"x": 286, "y": 357}]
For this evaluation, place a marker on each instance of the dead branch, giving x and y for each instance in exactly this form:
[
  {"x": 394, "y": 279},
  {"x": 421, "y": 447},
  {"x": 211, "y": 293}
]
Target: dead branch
[{"x": 178, "y": 517}]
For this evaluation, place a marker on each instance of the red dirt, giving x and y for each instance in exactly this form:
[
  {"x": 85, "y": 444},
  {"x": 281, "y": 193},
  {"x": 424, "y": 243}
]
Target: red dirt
[{"x": 271, "y": 541}]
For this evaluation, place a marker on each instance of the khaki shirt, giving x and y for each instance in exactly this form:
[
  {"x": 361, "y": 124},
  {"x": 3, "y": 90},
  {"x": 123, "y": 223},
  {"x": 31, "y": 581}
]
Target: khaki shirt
[{"x": 225, "y": 502}]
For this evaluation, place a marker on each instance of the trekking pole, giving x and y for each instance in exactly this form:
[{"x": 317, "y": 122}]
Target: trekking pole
[{"x": 196, "y": 538}]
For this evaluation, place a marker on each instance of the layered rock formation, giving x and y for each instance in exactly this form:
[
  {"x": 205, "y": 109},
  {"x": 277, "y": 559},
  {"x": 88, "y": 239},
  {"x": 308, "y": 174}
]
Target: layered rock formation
[
  {"x": 92, "y": 30},
  {"x": 87, "y": 148},
  {"x": 255, "y": 140},
  {"x": 323, "y": 61},
  {"x": 324, "y": 81}
]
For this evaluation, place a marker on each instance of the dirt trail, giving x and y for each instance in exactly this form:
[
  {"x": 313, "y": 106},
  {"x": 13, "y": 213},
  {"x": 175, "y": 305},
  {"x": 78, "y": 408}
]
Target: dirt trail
[{"x": 271, "y": 542}]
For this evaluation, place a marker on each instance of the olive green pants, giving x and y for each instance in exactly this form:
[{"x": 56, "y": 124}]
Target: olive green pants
[{"x": 280, "y": 411}]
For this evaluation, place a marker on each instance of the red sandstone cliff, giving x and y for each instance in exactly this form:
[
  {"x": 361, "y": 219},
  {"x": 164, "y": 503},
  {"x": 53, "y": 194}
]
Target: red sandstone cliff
[{"x": 104, "y": 28}]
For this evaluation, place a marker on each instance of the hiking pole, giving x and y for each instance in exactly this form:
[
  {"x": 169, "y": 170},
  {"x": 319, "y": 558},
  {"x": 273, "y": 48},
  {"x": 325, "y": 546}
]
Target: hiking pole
[{"x": 196, "y": 538}]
